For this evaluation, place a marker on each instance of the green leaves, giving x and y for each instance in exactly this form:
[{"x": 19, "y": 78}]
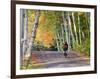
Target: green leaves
[{"x": 74, "y": 27}]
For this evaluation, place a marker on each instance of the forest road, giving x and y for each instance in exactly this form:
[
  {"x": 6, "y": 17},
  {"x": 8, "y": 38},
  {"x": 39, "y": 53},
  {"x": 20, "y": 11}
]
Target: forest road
[{"x": 55, "y": 59}]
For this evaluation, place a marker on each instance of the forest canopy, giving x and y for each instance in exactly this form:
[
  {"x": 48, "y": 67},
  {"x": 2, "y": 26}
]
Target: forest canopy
[{"x": 48, "y": 30}]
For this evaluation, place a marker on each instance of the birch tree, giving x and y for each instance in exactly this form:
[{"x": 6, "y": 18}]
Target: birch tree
[
  {"x": 75, "y": 31},
  {"x": 65, "y": 27},
  {"x": 33, "y": 35},
  {"x": 70, "y": 28},
  {"x": 21, "y": 34},
  {"x": 24, "y": 32},
  {"x": 79, "y": 28}
]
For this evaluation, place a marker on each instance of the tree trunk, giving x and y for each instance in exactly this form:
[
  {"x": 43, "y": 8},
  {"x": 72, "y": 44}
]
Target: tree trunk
[
  {"x": 57, "y": 42},
  {"x": 65, "y": 27},
  {"x": 83, "y": 36},
  {"x": 74, "y": 27},
  {"x": 21, "y": 35},
  {"x": 31, "y": 41},
  {"x": 87, "y": 22},
  {"x": 79, "y": 28},
  {"x": 68, "y": 31},
  {"x": 24, "y": 32},
  {"x": 62, "y": 30},
  {"x": 70, "y": 28}
]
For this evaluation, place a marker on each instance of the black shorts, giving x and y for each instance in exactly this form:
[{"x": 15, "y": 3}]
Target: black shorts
[
  {"x": 65, "y": 49},
  {"x": 65, "y": 54}
]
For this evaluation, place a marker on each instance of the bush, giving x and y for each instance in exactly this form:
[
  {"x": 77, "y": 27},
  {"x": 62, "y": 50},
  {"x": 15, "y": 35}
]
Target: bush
[{"x": 83, "y": 48}]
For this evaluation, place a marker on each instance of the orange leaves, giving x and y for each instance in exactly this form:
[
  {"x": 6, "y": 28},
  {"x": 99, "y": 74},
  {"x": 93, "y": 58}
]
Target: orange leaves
[
  {"x": 42, "y": 19},
  {"x": 38, "y": 35},
  {"x": 48, "y": 36},
  {"x": 45, "y": 37}
]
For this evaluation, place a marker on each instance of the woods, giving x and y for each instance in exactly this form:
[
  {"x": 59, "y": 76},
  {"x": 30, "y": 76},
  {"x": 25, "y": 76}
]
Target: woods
[{"x": 44, "y": 30}]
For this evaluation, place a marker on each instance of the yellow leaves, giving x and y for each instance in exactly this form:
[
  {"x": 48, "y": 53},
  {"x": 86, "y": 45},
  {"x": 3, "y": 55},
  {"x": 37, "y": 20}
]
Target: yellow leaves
[
  {"x": 43, "y": 32},
  {"x": 48, "y": 36},
  {"x": 31, "y": 19},
  {"x": 30, "y": 22},
  {"x": 38, "y": 35},
  {"x": 42, "y": 20},
  {"x": 80, "y": 13},
  {"x": 44, "y": 36},
  {"x": 30, "y": 28}
]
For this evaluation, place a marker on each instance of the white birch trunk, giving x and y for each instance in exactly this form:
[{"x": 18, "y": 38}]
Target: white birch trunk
[
  {"x": 83, "y": 36},
  {"x": 24, "y": 33},
  {"x": 31, "y": 40},
  {"x": 57, "y": 42},
  {"x": 74, "y": 27},
  {"x": 79, "y": 28},
  {"x": 70, "y": 28},
  {"x": 25, "y": 30},
  {"x": 62, "y": 30},
  {"x": 21, "y": 34},
  {"x": 65, "y": 27},
  {"x": 87, "y": 22},
  {"x": 67, "y": 30}
]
